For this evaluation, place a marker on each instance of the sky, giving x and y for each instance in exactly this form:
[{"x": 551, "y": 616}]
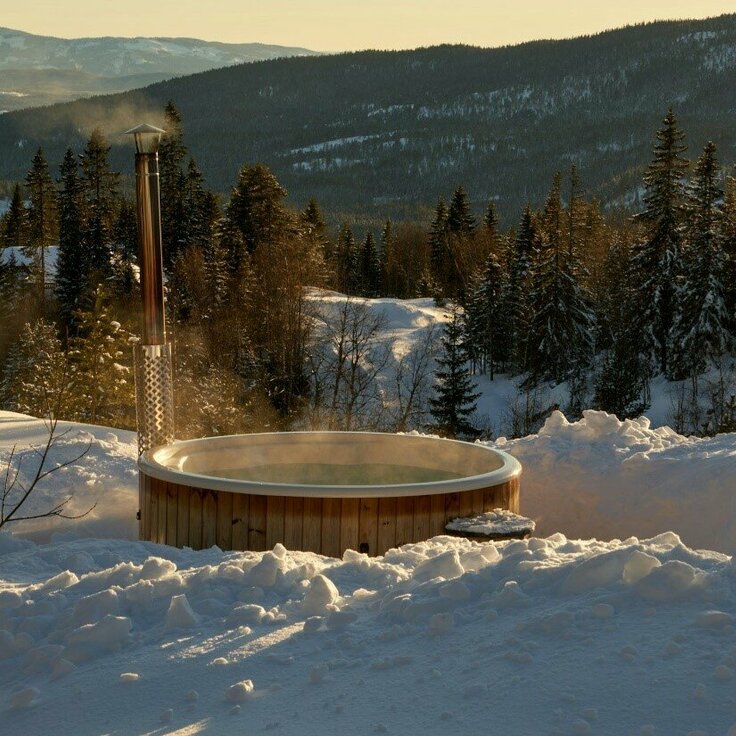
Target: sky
[{"x": 340, "y": 25}]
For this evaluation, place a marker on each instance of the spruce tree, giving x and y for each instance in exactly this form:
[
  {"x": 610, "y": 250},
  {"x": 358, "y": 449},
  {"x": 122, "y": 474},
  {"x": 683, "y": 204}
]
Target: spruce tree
[
  {"x": 455, "y": 399},
  {"x": 42, "y": 220},
  {"x": 438, "y": 242},
  {"x": 256, "y": 214},
  {"x": 656, "y": 259},
  {"x": 37, "y": 375},
  {"x": 174, "y": 214},
  {"x": 14, "y": 230},
  {"x": 460, "y": 220},
  {"x": 99, "y": 187},
  {"x": 348, "y": 262},
  {"x": 370, "y": 267},
  {"x": 516, "y": 298},
  {"x": 490, "y": 219},
  {"x": 560, "y": 334},
  {"x": 701, "y": 327},
  {"x": 72, "y": 267},
  {"x": 387, "y": 259},
  {"x": 486, "y": 334},
  {"x": 729, "y": 250},
  {"x": 313, "y": 222},
  {"x": 621, "y": 381}
]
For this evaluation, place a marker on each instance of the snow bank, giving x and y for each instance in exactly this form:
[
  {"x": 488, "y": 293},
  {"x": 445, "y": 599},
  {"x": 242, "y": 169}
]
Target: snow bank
[
  {"x": 446, "y": 636},
  {"x": 106, "y": 476},
  {"x": 601, "y": 477}
]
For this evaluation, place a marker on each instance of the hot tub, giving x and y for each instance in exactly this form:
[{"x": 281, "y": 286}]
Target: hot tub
[{"x": 318, "y": 491}]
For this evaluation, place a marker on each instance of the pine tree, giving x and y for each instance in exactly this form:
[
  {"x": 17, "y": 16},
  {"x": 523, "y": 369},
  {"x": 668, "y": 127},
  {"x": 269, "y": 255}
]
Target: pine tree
[
  {"x": 10, "y": 283},
  {"x": 99, "y": 187},
  {"x": 313, "y": 222},
  {"x": 490, "y": 219},
  {"x": 99, "y": 355},
  {"x": 560, "y": 335},
  {"x": 460, "y": 220},
  {"x": 174, "y": 214},
  {"x": 656, "y": 259},
  {"x": 701, "y": 330},
  {"x": 37, "y": 375},
  {"x": 348, "y": 262},
  {"x": 621, "y": 382},
  {"x": 125, "y": 254},
  {"x": 438, "y": 242},
  {"x": 370, "y": 267},
  {"x": 516, "y": 299},
  {"x": 486, "y": 335},
  {"x": 387, "y": 259},
  {"x": 14, "y": 230},
  {"x": 455, "y": 400},
  {"x": 72, "y": 267},
  {"x": 256, "y": 214},
  {"x": 42, "y": 220},
  {"x": 729, "y": 250}
]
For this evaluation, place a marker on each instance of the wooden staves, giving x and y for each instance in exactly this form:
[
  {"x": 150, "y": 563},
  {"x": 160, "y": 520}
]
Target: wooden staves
[{"x": 199, "y": 518}]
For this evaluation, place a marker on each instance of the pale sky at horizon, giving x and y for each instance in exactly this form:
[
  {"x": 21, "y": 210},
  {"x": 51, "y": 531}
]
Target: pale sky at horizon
[{"x": 343, "y": 25}]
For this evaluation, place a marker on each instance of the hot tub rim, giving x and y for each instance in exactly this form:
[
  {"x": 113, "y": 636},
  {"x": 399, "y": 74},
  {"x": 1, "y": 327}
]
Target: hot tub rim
[{"x": 509, "y": 470}]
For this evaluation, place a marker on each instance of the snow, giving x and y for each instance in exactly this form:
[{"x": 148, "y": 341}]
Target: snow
[
  {"x": 619, "y": 617},
  {"x": 497, "y": 522},
  {"x": 547, "y": 635},
  {"x": 601, "y": 477}
]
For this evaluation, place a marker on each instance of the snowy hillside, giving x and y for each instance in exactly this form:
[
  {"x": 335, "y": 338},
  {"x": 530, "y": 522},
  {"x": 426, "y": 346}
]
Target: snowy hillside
[
  {"x": 39, "y": 70},
  {"x": 544, "y": 636}
]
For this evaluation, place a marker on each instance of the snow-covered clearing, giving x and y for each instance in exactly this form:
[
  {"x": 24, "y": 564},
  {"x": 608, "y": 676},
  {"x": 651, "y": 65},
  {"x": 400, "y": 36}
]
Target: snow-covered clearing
[{"x": 551, "y": 635}]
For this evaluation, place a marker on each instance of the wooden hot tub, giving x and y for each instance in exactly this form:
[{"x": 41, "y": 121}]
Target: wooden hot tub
[{"x": 318, "y": 491}]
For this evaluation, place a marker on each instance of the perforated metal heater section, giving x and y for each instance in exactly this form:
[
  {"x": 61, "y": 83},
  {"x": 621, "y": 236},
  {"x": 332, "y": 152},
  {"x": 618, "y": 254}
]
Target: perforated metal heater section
[{"x": 154, "y": 396}]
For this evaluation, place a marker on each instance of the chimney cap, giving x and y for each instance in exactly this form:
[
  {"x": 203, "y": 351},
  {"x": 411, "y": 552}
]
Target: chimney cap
[{"x": 146, "y": 137}]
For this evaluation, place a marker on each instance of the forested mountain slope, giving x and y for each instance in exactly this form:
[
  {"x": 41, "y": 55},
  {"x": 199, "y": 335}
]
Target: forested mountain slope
[{"x": 388, "y": 130}]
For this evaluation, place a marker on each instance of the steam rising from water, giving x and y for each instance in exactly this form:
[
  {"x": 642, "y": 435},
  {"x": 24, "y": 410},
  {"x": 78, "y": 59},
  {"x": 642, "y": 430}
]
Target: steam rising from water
[{"x": 331, "y": 474}]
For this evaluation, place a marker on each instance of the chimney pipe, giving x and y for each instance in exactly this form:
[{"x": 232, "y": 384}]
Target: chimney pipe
[{"x": 153, "y": 373}]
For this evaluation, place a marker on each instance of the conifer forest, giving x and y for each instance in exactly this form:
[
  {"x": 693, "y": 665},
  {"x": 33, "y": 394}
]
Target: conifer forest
[{"x": 569, "y": 292}]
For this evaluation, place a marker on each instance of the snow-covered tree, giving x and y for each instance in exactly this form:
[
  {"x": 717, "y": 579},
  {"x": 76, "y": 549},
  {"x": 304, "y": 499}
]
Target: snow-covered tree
[
  {"x": 37, "y": 373},
  {"x": 42, "y": 220},
  {"x": 656, "y": 259},
  {"x": 700, "y": 333},
  {"x": 560, "y": 330}
]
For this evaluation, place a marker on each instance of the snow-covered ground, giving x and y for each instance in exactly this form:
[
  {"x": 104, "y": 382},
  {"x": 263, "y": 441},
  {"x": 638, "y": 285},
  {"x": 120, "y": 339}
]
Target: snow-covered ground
[
  {"x": 550, "y": 635},
  {"x": 404, "y": 324}
]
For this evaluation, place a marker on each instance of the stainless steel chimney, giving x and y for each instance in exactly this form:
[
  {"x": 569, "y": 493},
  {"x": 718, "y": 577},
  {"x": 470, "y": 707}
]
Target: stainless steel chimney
[{"x": 153, "y": 374}]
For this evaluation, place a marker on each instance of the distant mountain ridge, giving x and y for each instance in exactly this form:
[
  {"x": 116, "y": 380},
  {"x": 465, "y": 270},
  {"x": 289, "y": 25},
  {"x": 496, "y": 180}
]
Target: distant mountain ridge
[
  {"x": 381, "y": 133},
  {"x": 43, "y": 69}
]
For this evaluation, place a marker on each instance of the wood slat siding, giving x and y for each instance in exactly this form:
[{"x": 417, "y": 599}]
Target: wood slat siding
[
  {"x": 293, "y": 522},
  {"x": 240, "y": 520},
  {"x": 350, "y": 523},
  {"x": 404, "y": 520},
  {"x": 331, "y": 520},
  {"x": 422, "y": 511},
  {"x": 185, "y": 516},
  {"x": 182, "y": 516},
  {"x": 437, "y": 516},
  {"x": 196, "y": 501},
  {"x": 209, "y": 519},
  {"x": 368, "y": 535},
  {"x": 312, "y": 530},
  {"x": 224, "y": 531},
  {"x": 257, "y": 528},
  {"x": 275, "y": 506},
  {"x": 172, "y": 503},
  {"x": 386, "y": 525}
]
